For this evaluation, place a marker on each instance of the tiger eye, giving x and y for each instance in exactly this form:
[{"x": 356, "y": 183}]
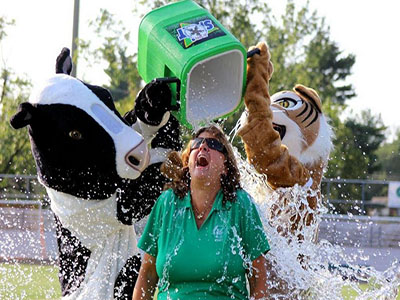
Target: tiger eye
[
  {"x": 285, "y": 104},
  {"x": 75, "y": 134}
]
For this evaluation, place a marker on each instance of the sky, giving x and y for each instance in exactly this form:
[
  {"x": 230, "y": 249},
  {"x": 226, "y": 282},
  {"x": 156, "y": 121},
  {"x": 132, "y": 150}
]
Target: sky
[{"x": 368, "y": 29}]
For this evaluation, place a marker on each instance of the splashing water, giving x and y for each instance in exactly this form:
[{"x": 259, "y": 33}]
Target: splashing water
[{"x": 306, "y": 268}]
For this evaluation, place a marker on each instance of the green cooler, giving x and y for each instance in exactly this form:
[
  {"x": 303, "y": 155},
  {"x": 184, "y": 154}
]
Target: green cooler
[{"x": 182, "y": 42}]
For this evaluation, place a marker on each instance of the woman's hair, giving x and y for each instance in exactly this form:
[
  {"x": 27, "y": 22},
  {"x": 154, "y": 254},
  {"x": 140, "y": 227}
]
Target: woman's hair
[{"x": 230, "y": 182}]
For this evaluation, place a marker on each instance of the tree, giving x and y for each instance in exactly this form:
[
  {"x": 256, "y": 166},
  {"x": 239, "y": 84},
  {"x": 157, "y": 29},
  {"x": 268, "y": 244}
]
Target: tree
[
  {"x": 15, "y": 154},
  {"x": 389, "y": 157},
  {"x": 302, "y": 52},
  {"x": 121, "y": 67},
  {"x": 369, "y": 133},
  {"x": 355, "y": 156},
  {"x": 357, "y": 142}
]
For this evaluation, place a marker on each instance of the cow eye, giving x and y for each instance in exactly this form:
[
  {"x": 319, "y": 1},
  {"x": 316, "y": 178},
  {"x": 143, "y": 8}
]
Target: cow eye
[{"x": 75, "y": 134}]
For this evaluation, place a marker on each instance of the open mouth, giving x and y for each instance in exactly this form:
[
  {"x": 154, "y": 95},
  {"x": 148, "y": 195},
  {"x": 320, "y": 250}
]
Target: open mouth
[
  {"x": 201, "y": 161},
  {"x": 280, "y": 128}
]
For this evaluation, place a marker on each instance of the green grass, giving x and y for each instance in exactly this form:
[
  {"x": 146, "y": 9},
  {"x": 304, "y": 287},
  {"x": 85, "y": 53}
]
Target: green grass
[
  {"x": 29, "y": 282},
  {"x": 41, "y": 282},
  {"x": 350, "y": 294}
]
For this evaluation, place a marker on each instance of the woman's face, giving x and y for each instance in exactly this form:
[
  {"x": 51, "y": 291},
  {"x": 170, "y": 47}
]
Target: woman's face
[{"x": 206, "y": 163}]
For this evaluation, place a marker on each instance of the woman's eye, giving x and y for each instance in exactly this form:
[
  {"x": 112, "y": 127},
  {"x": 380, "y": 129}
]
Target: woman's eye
[{"x": 75, "y": 134}]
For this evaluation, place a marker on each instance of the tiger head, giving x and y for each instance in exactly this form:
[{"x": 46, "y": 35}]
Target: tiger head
[{"x": 303, "y": 128}]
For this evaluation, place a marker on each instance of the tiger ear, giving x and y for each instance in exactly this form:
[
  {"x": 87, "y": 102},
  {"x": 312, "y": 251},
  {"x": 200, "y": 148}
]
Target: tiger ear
[{"x": 310, "y": 94}]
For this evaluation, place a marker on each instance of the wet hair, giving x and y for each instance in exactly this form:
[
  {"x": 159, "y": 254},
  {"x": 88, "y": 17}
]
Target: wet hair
[{"x": 230, "y": 182}]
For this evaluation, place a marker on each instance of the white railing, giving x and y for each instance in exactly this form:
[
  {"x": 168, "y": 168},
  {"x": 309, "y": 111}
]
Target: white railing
[
  {"x": 363, "y": 231},
  {"x": 27, "y": 231}
]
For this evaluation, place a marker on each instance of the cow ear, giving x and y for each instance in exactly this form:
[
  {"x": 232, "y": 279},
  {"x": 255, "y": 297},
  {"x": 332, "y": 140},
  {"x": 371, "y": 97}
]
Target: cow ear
[
  {"x": 64, "y": 62},
  {"x": 24, "y": 115}
]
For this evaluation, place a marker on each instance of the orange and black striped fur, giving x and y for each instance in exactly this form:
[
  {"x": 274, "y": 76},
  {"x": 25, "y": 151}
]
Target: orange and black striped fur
[{"x": 286, "y": 136}]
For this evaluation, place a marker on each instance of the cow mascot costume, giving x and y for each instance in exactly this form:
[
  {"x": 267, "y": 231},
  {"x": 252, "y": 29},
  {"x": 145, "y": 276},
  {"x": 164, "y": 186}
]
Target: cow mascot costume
[{"x": 99, "y": 174}]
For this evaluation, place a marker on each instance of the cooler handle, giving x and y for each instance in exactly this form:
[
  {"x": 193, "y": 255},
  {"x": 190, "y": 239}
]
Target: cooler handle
[
  {"x": 178, "y": 89},
  {"x": 252, "y": 52}
]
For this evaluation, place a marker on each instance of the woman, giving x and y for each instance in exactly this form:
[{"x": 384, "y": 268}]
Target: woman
[{"x": 204, "y": 235}]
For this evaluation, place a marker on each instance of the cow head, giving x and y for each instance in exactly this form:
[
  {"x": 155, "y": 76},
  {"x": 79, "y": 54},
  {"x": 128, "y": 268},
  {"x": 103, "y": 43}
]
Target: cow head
[{"x": 81, "y": 144}]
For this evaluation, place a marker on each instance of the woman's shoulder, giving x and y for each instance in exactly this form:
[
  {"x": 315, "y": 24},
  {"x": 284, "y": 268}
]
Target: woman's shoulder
[
  {"x": 243, "y": 196},
  {"x": 243, "y": 199},
  {"x": 169, "y": 200},
  {"x": 167, "y": 197}
]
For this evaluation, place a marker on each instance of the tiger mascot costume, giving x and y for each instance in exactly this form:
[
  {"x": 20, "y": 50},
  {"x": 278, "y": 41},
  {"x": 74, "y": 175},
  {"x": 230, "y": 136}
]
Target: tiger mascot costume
[
  {"x": 286, "y": 136},
  {"x": 288, "y": 139}
]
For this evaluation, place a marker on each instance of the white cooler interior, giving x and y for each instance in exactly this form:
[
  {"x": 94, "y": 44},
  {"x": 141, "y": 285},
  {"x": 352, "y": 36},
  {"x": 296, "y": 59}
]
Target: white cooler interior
[{"x": 214, "y": 87}]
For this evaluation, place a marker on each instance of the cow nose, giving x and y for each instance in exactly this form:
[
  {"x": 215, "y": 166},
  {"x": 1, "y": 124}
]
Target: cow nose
[
  {"x": 133, "y": 160},
  {"x": 138, "y": 158}
]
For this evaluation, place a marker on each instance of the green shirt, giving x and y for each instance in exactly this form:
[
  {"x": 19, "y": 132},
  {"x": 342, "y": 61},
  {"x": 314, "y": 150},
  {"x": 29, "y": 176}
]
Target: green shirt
[{"x": 205, "y": 263}]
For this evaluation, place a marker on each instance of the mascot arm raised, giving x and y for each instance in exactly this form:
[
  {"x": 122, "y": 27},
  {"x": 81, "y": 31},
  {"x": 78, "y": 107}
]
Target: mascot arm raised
[
  {"x": 151, "y": 111},
  {"x": 151, "y": 117},
  {"x": 262, "y": 142}
]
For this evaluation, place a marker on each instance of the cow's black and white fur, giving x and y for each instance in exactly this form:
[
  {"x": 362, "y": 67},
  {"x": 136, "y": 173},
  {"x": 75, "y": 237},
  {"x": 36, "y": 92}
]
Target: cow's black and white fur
[{"x": 96, "y": 170}]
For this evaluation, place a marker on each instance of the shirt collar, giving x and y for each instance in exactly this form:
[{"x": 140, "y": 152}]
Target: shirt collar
[
  {"x": 186, "y": 201},
  {"x": 216, "y": 206}
]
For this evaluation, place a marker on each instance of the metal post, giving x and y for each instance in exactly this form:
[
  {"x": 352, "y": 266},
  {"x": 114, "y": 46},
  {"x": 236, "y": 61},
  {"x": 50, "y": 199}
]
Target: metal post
[
  {"x": 363, "y": 199},
  {"x": 75, "y": 38},
  {"x": 28, "y": 186},
  {"x": 328, "y": 193}
]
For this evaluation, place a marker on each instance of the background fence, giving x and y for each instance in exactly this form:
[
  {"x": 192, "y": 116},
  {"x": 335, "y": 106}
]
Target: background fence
[
  {"x": 358, "y": 220},
  {"x": 341, "y": 196}
]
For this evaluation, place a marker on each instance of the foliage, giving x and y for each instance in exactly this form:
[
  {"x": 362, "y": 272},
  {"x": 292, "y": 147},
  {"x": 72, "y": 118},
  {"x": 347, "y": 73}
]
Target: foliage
[
  {"x": 357, "y": 142},
  {"x": 15, "y": 154},
  {"x": 368, "y": 132},
  {"x": 302, "y": 52},
  {"x": 121, "y": 66},
  {"x": 389, "y": 157},
  {"x": 3, "y": 24}
]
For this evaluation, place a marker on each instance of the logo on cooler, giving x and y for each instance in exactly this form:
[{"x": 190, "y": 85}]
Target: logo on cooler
[
  {"x": 189, "y": 33},
  {"x": 194, "y": 31}
]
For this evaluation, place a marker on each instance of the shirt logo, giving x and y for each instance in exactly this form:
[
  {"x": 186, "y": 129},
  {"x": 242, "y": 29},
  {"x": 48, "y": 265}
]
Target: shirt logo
[{"x": 218, "y": 232}]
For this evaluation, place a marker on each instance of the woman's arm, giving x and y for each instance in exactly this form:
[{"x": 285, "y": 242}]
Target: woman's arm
[
  {"x": 147, "y": 280},
  {"x": 258, "y": 279}
]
